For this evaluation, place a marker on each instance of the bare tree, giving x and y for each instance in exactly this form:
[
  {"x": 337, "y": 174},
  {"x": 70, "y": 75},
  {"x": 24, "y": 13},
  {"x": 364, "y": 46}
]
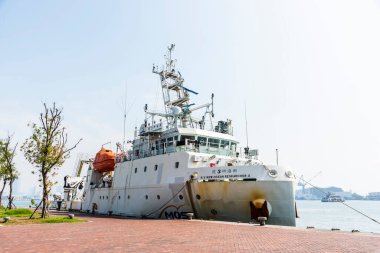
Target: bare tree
[{"x": 47, "y": 149}]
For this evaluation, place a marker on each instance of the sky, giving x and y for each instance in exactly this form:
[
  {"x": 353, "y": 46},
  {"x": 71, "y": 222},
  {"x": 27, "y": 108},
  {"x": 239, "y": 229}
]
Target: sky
[{"x": 308, "y": 72}]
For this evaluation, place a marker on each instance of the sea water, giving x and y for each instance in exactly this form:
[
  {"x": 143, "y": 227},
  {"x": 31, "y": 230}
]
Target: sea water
[{"x": 328, "y": 215}]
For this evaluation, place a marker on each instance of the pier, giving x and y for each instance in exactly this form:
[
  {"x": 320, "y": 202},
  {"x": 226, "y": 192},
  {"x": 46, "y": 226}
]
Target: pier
[{"x": 110, "y": 234}]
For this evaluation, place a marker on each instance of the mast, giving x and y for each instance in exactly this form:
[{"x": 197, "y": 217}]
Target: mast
[{"x": 176, "y": 97}]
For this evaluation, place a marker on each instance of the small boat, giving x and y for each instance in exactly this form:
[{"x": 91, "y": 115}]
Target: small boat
[
  {"x": 331, "y": 197},
  {"x": 104, "y": 160}
]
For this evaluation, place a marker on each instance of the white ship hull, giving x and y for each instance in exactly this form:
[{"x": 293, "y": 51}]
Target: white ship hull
[{"x": 222, "y": 193}]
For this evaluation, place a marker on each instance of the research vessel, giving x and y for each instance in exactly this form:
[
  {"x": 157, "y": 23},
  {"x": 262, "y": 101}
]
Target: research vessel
[{"x": 179, "y": 164}]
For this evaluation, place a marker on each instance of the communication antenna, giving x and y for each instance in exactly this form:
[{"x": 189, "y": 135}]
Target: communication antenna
[
  {"x": 277, "y": 156},
  {"x": 246, "y": 149},
  {"x": 246, "y": 121},
  {"x": 212, "y": 105},
  {"x": 125, "y": 115}
]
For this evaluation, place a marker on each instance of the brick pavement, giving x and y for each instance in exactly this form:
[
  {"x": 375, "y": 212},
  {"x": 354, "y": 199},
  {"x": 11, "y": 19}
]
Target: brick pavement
[{"x": 105, "y": 234}]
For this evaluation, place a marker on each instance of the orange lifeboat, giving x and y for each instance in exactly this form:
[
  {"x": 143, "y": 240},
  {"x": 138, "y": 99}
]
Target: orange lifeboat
[{"x": 104, "y": 160}]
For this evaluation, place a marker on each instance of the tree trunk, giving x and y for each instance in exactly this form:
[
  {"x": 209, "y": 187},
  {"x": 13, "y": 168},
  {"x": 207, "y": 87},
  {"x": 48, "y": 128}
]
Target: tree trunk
[
  {"x": 2, "y": 190},
  {"x": 10, "y": 198},
  {"x": 45, "y": 196}
]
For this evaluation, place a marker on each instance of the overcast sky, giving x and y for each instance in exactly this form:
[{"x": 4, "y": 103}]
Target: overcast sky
[{"x": 309, "y": 72}]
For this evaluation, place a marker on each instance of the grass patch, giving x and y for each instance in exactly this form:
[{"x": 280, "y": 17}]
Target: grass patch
[
  {"x": 21, "y": 216},
  {"x": 19, "y": 212},
  {"x": 49, "y": 220},
  {"x": 59, "y": 219}
]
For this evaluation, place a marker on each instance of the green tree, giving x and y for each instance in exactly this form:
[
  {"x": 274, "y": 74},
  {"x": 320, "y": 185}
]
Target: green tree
[
  {"x": 3, "y": 177},
  {"x": 47, "y": 149},
  {"x": 10, "y": 173}
]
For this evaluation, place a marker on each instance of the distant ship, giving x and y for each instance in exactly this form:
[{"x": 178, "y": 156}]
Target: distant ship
[
  {"x": 331, "y": 197},
  {"x": 181, "y": 165}
]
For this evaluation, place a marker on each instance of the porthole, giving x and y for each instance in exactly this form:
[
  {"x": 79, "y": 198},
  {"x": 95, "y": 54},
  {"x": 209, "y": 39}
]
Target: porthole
[
  {"x": 198, "y": 196},
  {"x": 119, "y": 197},
  {"x": 155, "y": 167},
  {"x": 135, "y": 170},
  {"x": 176, "y": 165},
  {"x": 180, "y": 196},
  {"x": 107, "y": 197},
  {"x": 145, "y": 169},
  {"x": 146, "y": 196},
  {"x": 272, "y": 173},
  {"x": 100, "y": 197},
  {"x": 158, "y": 197},
  {"x": 129, "y": 197}
]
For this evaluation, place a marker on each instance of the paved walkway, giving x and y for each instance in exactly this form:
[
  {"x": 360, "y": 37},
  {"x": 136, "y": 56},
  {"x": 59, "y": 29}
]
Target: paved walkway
[{"x": 104, "y": 234}]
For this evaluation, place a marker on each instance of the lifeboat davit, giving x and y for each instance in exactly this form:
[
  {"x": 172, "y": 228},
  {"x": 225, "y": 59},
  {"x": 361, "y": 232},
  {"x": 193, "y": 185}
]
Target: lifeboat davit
[{"x": 104, "y": 160}]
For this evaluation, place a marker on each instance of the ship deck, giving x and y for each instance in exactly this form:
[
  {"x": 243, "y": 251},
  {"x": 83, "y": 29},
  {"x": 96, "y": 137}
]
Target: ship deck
[{"x": 109, "y": 234}]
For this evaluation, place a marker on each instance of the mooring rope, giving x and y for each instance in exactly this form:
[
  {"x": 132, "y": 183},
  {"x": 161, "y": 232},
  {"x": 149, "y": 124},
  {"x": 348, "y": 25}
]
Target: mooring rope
[{"x": 356, "y": 210}]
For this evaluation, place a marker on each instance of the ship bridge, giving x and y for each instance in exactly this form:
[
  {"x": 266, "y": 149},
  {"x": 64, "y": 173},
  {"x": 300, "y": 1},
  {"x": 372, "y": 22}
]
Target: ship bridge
[{"x": 185, "y": 139}]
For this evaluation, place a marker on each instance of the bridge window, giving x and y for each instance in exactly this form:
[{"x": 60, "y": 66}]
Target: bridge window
[
  {"x": 233, "y": 146},
  {"x": 214, "y": 143},
  {"x": 224, "y": 144},
  {"x": 183, "y": 139},
  {"x": 202, "y": 141},
  {"x": 187, "y": 137}
]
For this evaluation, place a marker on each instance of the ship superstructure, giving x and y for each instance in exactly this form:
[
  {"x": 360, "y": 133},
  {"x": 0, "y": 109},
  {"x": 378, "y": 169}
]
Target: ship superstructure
[{"x": 181, "y": 164}]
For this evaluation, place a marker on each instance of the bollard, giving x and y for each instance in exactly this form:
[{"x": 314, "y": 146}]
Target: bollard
[
  {"x": 262, "y": 220},
  {"x": 355, "y": 231},
  {"x": 190, "y": 216},
  {"x": 335, "y": 229},
  {"x": 71, "y": 216},
  {"x": 310, "y": 227}
]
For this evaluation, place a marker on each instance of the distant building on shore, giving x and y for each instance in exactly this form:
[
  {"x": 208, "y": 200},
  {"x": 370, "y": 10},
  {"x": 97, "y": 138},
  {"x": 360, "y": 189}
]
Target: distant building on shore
[
  {"x": 373, "y": 196},
  {"x": 318, "y": 194}
]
